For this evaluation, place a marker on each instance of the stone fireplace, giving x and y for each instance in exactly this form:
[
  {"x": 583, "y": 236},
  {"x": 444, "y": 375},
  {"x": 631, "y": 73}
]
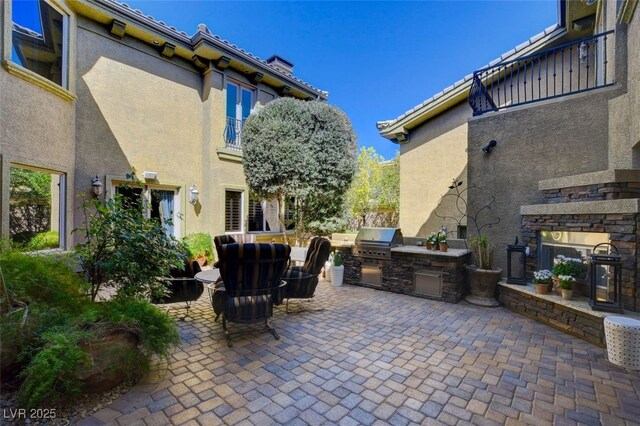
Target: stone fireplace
[{"x": 603, "y": 203}]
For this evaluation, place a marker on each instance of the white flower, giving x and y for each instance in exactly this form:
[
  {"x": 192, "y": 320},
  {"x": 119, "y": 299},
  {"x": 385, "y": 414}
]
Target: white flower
[
  {"x": 566, "y": 278},
  {"x": 543, "y": 275}
]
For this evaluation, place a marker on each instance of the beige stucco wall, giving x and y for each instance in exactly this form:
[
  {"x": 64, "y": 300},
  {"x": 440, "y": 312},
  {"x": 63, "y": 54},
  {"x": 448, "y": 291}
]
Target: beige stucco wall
[
  {"x": 432, "y": 158},
  {"x": 624, "y": 111},
  {"x": 540, "y": 141},
  {"x": 36, "y": 130}
]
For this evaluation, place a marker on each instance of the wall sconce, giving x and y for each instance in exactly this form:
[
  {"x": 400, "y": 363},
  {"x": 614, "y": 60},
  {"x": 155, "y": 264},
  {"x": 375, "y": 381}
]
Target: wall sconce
[
  {"x": 583, "y": 52},
  {"x": 194, "y": 194},
  {"x": 517, "y": 271},
  {"x": 96, "y": 186},
  {"x": 488, "y": 147},
  {"x": 606, "y": 280},
  {"x": 150, "y": 175}
]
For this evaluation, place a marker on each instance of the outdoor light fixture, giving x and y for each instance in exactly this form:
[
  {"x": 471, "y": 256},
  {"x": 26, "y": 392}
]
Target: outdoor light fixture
[
  {"x": 488, "y": 147},
  {"x": 193, "y": 195},
  {"x": 96, "y": 186},
  {"x": 150, "y": 175},
  {"x": 606, "y": 280},
  {"x": 517, "y": 263},
  {"x": 583, "y": 52}
]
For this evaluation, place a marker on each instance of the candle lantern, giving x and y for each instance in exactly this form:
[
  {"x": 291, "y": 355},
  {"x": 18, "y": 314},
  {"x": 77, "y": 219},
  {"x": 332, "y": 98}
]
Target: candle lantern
[
  {"x": 606, "y": 279},
  {"x": 517, "y": 263}
]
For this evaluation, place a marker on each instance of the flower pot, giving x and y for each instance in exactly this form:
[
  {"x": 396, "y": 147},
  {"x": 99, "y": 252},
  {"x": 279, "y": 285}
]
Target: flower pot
[
  {"x": 566, "y": 294},
  {"x": 482, "y": 284},
  {"x": 429, "y": 246},
  {"x": 337, "y": 275},
  {"x": 443, "y": 246},
  {"x": 556, "y": 285},
  {"x": 327, "y": 271},
  {"x": 542, "y": 288}
]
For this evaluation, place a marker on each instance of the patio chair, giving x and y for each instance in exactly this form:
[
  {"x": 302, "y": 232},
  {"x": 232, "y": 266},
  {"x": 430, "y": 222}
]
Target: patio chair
[
  {"x": 303, "y": 280},
  {"x": 219, "y": 241},
  {"x": 182, "y": 287},
  {"x": 250, "y": 273}
]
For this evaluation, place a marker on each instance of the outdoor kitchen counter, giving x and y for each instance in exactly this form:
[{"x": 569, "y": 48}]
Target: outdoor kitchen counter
[{"x": 423, "y": 251}]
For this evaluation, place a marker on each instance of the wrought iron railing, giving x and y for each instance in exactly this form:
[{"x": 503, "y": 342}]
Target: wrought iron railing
[
  {"x": 570, "y": 68},
  {"x": 233, "y": 133}
]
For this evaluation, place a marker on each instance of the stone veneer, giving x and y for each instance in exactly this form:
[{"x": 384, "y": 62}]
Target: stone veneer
[
  {"x": 595, "y": 192},
  {"x": 624, "y": 234},
  {"x": 550, "y": 310},
  {"x": 398, "y": 272}
]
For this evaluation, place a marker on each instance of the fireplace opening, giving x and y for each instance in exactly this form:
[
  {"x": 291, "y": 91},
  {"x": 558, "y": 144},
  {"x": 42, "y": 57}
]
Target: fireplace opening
[{"x": 574, "y": 244}]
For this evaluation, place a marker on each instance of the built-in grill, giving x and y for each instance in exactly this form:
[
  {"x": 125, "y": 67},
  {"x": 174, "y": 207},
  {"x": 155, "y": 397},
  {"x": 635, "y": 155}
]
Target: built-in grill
[{"x": 376, "y": 243}]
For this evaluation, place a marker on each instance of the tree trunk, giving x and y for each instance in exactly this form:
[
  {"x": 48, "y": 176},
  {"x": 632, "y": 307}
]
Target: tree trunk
[{"x": 281, "y": 207}]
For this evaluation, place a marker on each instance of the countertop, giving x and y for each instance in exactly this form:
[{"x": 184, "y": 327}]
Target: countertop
[{"x": 421, "y": 250}]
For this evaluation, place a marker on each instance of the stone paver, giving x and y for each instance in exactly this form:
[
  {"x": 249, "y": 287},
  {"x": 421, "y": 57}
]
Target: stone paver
[{"x": 372, "y": 357}]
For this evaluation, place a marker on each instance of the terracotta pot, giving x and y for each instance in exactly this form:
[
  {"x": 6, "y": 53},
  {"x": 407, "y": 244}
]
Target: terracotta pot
[
  {"x": 443, "y": 246},
  {"x": 542, "y": 288},
  {"x": 566, "y": 294},
  {"x": 482, "y": 284},
  {"x": 556, "y": 285},
  {"x": 429, "y": 246}
]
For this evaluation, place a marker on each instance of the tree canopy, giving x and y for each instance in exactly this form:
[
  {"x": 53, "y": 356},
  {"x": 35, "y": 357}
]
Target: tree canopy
[
  {"x": 373, "y": 199},
  {"x": 300, "y": 149}
]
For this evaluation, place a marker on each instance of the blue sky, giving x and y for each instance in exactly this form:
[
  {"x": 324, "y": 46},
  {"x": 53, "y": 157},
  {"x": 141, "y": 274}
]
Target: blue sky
[{"x": 376, "y": 59}]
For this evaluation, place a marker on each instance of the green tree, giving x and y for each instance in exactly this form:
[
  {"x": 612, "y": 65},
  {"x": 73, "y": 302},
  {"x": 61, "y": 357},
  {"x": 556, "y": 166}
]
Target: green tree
[
  {"x": 300, "y": 149},
  {"x": 373, "y": 198}
]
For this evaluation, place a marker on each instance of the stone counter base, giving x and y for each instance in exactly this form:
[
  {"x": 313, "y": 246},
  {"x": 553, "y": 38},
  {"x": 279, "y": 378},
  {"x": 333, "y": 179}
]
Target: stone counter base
[{"x": 556, "y": 313}]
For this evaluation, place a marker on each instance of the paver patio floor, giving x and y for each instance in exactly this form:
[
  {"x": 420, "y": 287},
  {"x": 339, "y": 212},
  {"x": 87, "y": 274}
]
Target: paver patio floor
[{"x": 377, "y": 357}]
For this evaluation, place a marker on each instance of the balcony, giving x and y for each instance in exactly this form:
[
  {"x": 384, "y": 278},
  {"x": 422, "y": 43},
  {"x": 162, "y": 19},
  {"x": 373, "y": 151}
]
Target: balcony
[
  {"x": 570, "y": 68},
  {"x": 233, "y": 133}
]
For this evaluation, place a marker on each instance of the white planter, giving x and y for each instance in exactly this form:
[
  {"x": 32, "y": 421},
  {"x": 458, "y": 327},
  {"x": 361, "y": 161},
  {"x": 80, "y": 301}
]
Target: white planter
[
  {"x": 337, "y": 275},
  {"x": 327, "y": 270}
]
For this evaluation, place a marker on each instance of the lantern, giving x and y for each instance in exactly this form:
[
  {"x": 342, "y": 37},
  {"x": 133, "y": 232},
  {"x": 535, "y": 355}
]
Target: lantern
[
  {"x": 606, "y": 280},
  {"x": 516, "y": 263}
]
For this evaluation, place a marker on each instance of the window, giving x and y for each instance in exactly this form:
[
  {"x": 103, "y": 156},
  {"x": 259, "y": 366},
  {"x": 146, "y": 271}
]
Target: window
[
  {"x": 36, "y": 208},
  {"x": 233, "y": 211},
  {"x": 239, "y": 106},
  {"x": 39, "y": 39},
  {"x": 157, "y": 203}
]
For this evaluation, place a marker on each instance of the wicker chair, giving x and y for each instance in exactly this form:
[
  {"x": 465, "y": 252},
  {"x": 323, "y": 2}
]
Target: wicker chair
[
  {"x": 182, "y": 286},
  {"x": 303, "y": 280},
  {"x": 250, "y": 273}
]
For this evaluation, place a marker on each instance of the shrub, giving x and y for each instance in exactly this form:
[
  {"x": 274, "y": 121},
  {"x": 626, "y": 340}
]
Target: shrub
[
  {"x": 563, "y": 265},
  {"x": 42, "y": 280},
  {"x": 44, "y": 240},
  {"x": 199, "y": 245},
  {"x": 337, "y": 259},
  {"x": 125, "y": 250}
]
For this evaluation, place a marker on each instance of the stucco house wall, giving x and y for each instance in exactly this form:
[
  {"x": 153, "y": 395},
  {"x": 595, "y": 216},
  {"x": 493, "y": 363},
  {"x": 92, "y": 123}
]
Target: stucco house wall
[
  {"x": 567, "y": 136},
  {"x": 434, "y": 156}
]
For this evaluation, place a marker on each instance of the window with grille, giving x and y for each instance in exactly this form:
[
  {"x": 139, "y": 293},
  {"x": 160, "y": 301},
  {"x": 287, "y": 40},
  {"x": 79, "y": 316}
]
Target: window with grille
[{"x": 233, "y": 211}]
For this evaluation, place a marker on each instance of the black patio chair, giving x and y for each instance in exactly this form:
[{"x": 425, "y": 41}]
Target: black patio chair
[
  {"x": 303, "y": 280},
  {"x": 182, "y": 287},
  {"x": 250, "y": 273}
]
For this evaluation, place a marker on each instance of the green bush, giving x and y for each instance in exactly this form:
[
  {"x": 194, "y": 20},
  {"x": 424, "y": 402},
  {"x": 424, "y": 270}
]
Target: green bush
[
  {"x": 42, "y": 280},
  {"x": 44, "y": 240},
  {"x": 199, "y": 245}
]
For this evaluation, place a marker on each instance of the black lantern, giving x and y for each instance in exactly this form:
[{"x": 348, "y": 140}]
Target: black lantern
[
  {"x": 606, "y": 280},
  {"x": 517, "y": 263}
]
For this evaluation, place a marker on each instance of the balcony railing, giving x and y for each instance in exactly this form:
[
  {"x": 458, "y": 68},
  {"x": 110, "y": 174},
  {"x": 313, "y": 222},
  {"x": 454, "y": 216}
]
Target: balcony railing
[
  {"x": 570, "y": 68},
  {"x": 233, "y": 133}
]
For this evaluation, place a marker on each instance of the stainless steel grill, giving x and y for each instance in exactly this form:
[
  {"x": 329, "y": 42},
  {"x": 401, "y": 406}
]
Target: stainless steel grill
[{"x": 376, "y": 243}]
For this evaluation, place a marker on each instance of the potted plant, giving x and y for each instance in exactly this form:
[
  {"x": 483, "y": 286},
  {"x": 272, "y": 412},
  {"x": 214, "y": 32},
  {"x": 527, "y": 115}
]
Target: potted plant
[
  {"x": 432, "y": 241},
  {"x": 565, "y": 282},
  {"x": 568, "y": 266},
  {"x": 337, "y": 270},
  {"x": 483, "y": 279},
  {"x": 199, "y": 248},
  {"x": 542, "y": 279},
  {"x": 442, "y": 239}
]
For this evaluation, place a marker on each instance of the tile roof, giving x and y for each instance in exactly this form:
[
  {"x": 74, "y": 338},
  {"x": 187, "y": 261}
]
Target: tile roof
[
  {"x": 467, "y": 79},
  {"x": 203, "y": 32}
]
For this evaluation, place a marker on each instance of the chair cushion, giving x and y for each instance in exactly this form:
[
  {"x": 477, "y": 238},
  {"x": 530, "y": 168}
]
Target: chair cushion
[
  {"x": 317, "y": 254},
  {"x": 249, "y": 308},
  {"x": 300, "y": 285}
]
